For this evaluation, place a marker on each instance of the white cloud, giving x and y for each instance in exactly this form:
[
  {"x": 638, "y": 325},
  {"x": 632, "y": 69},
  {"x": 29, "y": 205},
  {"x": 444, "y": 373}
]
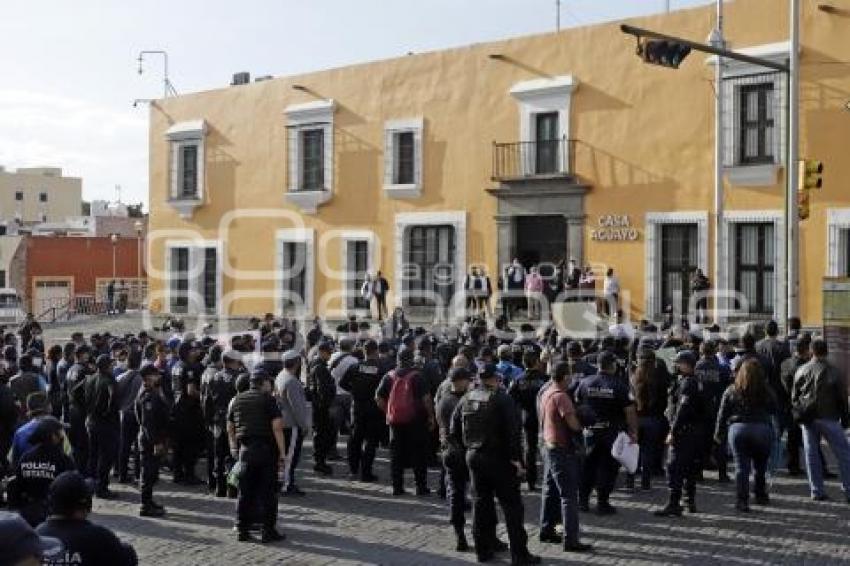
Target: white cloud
[{"x": 103, "y": 145}]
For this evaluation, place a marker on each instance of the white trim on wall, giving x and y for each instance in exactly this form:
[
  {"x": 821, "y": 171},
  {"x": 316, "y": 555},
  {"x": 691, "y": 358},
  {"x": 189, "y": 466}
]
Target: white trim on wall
[
  {"x": 391, "y": 130},
  {"x": 317, "y": 115},
  {"x": 777, "y": 218},
  {"x": 295, "y": 235},
  {"x": 539, "y": 96},
  {"x": 405, "y": 220},
  {"x": 653, "y": 221},
  {"x": 837, "y": 221}
]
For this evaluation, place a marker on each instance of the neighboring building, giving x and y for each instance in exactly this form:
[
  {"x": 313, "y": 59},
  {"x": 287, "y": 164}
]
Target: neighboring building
[
  {"x": 12, "y": 262},
  {"x": 540, "y": 147},
  {"x": 38, "y": 194},
  {"x": 73, "y": 273}
]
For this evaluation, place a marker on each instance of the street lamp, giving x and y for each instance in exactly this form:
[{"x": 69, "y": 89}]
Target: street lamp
[
  {"x": 139, "y": 226},
  {"x": 114, "y": 239}
]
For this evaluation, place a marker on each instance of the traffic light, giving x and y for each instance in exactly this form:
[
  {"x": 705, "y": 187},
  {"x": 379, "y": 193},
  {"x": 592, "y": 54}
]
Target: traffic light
[
  {"x": 664, "y": 53},
  {"x": 812, "y": 174},
  {"x": 803, "y": 204}
]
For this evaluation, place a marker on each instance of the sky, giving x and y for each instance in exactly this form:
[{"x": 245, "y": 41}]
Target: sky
[{"x": 70, "y": 74}]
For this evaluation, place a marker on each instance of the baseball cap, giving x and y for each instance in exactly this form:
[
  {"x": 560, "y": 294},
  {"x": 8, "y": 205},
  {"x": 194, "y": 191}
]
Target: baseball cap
[
  {"x": 459, "y": 373},
  {"x": 290, "y": 355},
  {"x": 686, "y": 357},
  {"x": 606, "y": 358},
  {"x": 487, "y": 370},
  {"x": 19, "y": 541},
  {"x": 70, "y": 491}
]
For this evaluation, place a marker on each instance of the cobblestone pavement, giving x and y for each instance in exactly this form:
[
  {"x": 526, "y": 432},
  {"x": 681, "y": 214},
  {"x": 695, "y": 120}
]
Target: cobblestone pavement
[{"x": 346, "y": 522}]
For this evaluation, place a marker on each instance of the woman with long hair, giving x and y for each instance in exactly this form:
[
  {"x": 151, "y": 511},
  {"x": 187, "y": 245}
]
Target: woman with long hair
[
  {"x": 744, "y": 421},
  {"x": 650, "y": 392}
]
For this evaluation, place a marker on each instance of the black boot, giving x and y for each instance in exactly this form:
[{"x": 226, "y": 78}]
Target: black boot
[
  {"x": 673, "y": 507},
  {"x": 462, "y": 544}
]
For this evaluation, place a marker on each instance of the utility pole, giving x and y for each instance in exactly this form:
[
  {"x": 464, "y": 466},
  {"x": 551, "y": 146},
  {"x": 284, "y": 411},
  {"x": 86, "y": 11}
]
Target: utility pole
[
  {"x": 792, "y": 220},
  {"x": 557, "y": 15},
  {"x": 717, "y": 40}
]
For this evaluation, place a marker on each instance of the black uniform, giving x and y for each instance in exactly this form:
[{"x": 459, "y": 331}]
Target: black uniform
[
  {"x": 93, "y": 544},
  {"x": 486, "y": 423},
  {"x": 152, "y": 412},
  {"x": 103, "y": 423},
  {"x": 77, "y": 435},
  {"x": 607, "y": 396},
  {"x": 189, "y": 429},
  {"x": 321, "y": 391},
  {"x": 35, "y": 472},
  {"x": 217, "y": 389},
  {"x": 524, "y": 392},
  {"x": 252, "y": 413},
  {"x": 715, "y": 379},
  {"x": 454, "y": 460},
  {"x": 688, "y": 410},
  {"x": 367, "y": 418}
]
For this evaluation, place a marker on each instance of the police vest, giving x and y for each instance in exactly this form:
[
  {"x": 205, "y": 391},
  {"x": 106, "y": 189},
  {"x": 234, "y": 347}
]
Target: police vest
[
  {"x": 477, "y": 412},
  {"x": 249, "y": 415}
]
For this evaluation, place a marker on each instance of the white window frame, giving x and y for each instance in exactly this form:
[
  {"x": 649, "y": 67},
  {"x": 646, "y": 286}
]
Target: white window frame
[
  {"x": 371, "y": 262},
  {"x": 456, "y": 219},
  {"x": 775, "y": 217},
  {"x": 309, "y": 116},
  {"x": 761, "y": 174},
  {"x": 838, "y": 221},
  {"x": 196, "y": 247},
  {"x": 392, "y": 129},
  {"x": 295, "y": 235},
  {"x": 653, "y": 223},
  {"x": 542, "y": 96},
  {"x": 181, "y": 135}
]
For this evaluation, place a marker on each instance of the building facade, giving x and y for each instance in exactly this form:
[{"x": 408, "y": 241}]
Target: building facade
[
  {"x": 285, "y": 192},
  {"x": 38, "y": 194}
]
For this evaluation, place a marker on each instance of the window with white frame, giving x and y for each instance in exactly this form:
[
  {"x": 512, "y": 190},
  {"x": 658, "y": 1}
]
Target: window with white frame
[
  {"x": 186, "y": 154},
  {"x": 754, "y": 265},
  {"x": 194, "y": 278},
  {"x": 310, "y": 146},
  {"x": 356, "y": 268},
  {"x": 403, "y": 155}
]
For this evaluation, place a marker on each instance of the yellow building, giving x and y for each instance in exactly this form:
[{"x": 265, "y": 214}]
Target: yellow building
[
  {"x": 540, "y": 147},
  {"x": 39, "y": 194}
]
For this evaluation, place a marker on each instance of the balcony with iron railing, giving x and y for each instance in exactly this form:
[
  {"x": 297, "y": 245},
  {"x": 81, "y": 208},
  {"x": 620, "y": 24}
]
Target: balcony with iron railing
[{"x": 542, "y": 159}]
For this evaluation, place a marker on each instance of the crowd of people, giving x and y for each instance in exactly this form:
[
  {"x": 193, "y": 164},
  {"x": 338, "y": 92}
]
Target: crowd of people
[{"x": 481, "y": 404}]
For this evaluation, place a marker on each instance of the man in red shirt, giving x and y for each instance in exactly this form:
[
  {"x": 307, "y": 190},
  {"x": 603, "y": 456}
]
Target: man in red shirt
[{"x": 560, "y": 462}]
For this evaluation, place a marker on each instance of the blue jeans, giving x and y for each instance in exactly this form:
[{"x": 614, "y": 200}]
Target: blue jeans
[
  {"x": 751, "y": 445},
  {"x": 560, "y": 490},
  {"x": 651, "y": 441},
  {"x": 835, "y": 437}
]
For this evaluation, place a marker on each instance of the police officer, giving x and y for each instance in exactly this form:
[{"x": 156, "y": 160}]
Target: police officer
[
  {"x": 103, "y": 423},
  {"x": 687, "y": 413},
  {"x": 255, "y": 430},
  {"x": 611, "y": 401},
  {"x": 75, "y": 391},
  {"x": 218, "y": 387},
  {"x": 453, "y": 454},
  {"x": 485, "y": 422},
  {"x": 186, "y": 413},
  {"x": 321, "y": 391},
  {"x": 367, "y": 418},
  {"x": 524, "y": 389},
  {"x": 152, "y": 413},
  {"x": 38, "y": 467},
  {"x": 714, "y": 379}
]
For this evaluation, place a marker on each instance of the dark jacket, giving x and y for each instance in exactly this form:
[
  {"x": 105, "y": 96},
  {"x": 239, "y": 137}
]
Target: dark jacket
[
  {"x": 101, "y": 401},
  {"x": 735, "y": 409},
  {"x": 828, "y": 385},
  {"x": 499, "y": 434}
]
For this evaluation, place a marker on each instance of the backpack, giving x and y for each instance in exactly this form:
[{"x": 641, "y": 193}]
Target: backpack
[
  {"x": 401, "y": 406},
  {"x": 805, "y": 408}
]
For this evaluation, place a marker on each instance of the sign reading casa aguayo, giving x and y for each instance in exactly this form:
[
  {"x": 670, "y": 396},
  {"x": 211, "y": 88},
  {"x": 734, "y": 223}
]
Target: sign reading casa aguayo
[{"x": 614, "y": 228}]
